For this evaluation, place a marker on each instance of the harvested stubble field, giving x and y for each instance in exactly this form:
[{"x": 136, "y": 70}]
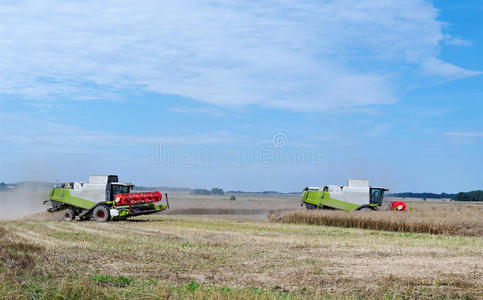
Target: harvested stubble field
[
  {"x": 238, "y": 257},
  {"x": 452, "y": 220}
]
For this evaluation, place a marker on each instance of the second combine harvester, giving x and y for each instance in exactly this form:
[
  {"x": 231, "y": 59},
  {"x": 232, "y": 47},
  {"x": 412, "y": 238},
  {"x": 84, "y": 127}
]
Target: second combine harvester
[{"x": 357, "y": 195}]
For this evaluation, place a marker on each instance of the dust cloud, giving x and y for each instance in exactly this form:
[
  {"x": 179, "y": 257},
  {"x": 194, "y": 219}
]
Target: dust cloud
[{"x": 21, "y": 203}]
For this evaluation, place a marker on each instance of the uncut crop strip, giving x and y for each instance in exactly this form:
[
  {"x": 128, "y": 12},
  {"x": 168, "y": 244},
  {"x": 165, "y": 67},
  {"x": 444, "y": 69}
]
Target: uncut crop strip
[{"x": 462, "y": 221}]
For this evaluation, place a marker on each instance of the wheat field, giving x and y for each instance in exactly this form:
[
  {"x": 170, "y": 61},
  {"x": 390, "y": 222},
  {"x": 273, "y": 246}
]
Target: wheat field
[{"x": 452, "y": 220}]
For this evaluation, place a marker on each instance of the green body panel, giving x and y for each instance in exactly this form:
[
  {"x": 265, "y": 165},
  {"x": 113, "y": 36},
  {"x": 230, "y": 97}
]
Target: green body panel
[
  {"x": 160, "y": 207},
  {"x": 124, "y": 211},
  {"x": 64, "y": 196},
  {"x": 320, "y": 199}
]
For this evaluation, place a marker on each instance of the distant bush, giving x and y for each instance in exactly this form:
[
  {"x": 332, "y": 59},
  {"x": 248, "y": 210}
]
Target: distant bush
[
  {"x": 200, "y": 192},
  {"x": 3, "y": 186},
  {"x": 217, "y": 191},
  {"x": 232, "y": 198},
  {"x": 423, "y": 195},
  {"x": 213, "y": 191},
  {"x": 472, "y": 196},
  {"x": 469, "y": 196}
]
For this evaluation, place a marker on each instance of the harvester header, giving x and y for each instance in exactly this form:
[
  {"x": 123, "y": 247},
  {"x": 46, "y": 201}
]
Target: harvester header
[{"x": 137, "y": 198}]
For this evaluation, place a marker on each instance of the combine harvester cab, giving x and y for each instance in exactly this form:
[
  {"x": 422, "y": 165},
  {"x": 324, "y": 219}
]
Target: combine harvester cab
[
  {"x": 357, "y": 195},
  {"x": 103, "y": 198}
]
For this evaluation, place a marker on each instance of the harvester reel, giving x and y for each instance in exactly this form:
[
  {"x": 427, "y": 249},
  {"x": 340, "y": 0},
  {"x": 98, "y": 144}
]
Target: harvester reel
[{"x": 101, "y": 214}]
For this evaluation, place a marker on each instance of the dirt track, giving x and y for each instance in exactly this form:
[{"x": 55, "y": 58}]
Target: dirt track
[
  {"x": 245, "y": 207},
  {"x": 248, "y": 207}
]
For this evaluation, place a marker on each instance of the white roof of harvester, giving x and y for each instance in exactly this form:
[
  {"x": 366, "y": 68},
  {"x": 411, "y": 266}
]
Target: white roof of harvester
[
  {"x": 352, "y": 184},
  {"x": 102, "y": 179},
  {"x": 122, "y": 183},
  {"x": 358, "y": 183}
]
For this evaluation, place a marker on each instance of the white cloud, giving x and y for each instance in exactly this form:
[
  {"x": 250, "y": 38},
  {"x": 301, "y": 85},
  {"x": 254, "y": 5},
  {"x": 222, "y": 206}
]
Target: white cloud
[
  {"x": 378, "y": 129},
  {"x": 464, "y": 137},
  {"x": 456, "y": 41},
  {"x": 198, "y": 111},
  {"x": 465, "y": 134},
  {"x": 435, "y": 66},
  {"x": 36, "y": 132},
  {"x": 298, "y": 55}
]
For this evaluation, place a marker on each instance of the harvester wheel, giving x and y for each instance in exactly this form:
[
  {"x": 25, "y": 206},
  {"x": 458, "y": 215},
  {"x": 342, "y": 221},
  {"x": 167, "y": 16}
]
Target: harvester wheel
[
  {"x": 365, "y": 208},
  {"x": 310, "y": 206},
  {"x": 101, "y": 214},
  {"x": 69, "y": 215}
]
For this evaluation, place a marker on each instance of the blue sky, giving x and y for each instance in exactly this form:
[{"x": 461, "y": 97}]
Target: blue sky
[{"x": 270, "y": 95}]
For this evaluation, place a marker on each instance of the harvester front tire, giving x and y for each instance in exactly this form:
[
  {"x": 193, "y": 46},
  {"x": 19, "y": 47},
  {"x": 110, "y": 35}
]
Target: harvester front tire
[
  {"x": 69, "y": 215},
  {"x": 310, "y": 206},
  {"x": 365, "y": 208},
  {"x": 101, "y": 214}
]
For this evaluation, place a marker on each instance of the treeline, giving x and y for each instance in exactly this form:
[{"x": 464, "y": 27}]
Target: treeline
[
  {"x": 213, "y": 191},
  {"x": 3, "y": 187},
  {"x": 469, "y": 196},
  {"x": 256, "y": 193},
  {"x": 423, "y": 195},
  {"x": 161, "y": 188},
  {"x": 263, "y": 193},
  {"x": 472, "y": 196}
]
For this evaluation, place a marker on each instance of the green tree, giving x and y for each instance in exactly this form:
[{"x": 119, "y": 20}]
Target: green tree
[
  {"x": 462, "y": 197},
  {"x": 217, "y": 191},
  {"x": 200, "y": 192}
]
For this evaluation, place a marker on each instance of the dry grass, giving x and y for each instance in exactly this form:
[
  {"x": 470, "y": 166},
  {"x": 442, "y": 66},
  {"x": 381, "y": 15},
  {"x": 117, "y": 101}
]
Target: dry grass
[
  {"x": 16, "y": 257},
  {"x": 235, "y": 257},
  {"x": 202, "y": 257},
  {"x": 452, "y": 220}
]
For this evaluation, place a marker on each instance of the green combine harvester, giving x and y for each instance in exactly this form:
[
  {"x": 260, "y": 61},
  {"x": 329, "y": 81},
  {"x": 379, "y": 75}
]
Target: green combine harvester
[
  {"x": 357, "y": 195},
  {"x": 103, "y": 198}
]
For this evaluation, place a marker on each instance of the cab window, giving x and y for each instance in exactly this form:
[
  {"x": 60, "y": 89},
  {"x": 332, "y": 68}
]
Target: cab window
[
  {"x": 377, "y": 196},
  {"x": 119, "y": 189}
]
